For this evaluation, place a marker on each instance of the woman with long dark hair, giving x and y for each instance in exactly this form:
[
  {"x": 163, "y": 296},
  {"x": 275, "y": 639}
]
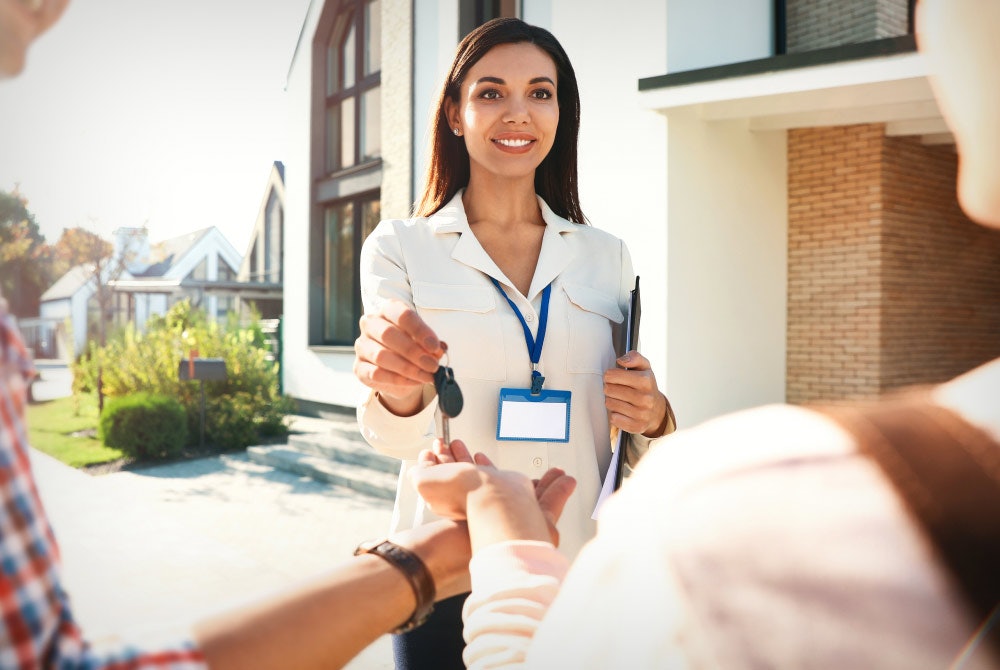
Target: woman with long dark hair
[{"x": 499, "y": 263}]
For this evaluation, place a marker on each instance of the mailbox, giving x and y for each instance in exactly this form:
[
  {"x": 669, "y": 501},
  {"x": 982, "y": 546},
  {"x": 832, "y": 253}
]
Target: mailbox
[{"x": 205, "y": 369}]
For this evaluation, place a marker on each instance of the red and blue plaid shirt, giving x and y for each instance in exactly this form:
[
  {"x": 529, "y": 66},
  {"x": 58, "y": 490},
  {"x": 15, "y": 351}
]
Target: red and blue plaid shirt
[{"x": 37, "y": 629}]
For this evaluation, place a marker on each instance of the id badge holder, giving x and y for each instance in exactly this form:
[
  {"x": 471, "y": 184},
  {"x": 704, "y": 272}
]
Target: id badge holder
[{"x": 536, "y": 417}]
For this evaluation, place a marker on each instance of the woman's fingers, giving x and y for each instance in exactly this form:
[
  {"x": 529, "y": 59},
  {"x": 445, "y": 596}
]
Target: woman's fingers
[{"x": 633, "y": 400}]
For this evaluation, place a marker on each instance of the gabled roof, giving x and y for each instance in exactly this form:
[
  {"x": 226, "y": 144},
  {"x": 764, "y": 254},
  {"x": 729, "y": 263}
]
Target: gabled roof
[
  {"x": 71, "y": 282},
  {"x": 164, "y": 255}
]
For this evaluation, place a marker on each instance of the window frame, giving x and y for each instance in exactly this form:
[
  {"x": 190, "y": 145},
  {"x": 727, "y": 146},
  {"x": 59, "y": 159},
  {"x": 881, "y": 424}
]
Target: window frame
[{"x": 356, "y": 184}]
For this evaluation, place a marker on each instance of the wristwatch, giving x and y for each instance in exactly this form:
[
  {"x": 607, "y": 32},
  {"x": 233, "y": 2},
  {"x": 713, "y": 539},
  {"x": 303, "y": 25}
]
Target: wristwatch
[{"x": 415, "y": 571}]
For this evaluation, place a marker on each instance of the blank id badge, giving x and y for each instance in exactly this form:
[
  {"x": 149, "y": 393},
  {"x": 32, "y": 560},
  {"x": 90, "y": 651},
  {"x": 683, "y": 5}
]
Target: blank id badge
[{"x": 535, "y": 417}]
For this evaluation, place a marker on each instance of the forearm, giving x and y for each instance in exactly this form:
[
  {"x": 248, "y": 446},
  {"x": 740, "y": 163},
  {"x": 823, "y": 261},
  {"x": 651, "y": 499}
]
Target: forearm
[
  {"x": 514, "y": 583},
  {"x": 499, "y": 511},
  {"x": 322, "y": 625},
  {"x": 327, "y": 622}
]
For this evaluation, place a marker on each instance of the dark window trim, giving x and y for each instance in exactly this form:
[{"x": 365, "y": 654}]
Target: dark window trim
[
  {"x": 889, "y": 46},
  {"x": 329, "y": 188},
  {"x": 781, "y": 23},
  {"x": 318, "y": 240}
]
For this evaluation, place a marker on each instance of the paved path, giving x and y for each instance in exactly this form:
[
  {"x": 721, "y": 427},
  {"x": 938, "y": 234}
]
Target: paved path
[{"x": 150, "y": 551}]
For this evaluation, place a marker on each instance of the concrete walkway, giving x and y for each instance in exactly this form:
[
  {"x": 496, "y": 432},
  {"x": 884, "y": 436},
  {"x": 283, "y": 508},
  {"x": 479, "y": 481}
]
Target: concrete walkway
[{"x": 149, "y": 552}]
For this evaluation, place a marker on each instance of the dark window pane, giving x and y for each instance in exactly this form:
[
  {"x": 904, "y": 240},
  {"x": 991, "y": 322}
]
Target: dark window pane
[
  {"x": 333, "y": 151},
  {"x": 371, "y": 211},
  {"x": 371, "y": 124},
  {"x": 373, "y": 37},
  {"x": 338, "y": 282},
  {"x": 347, "y": 57},
  {"x": 334, "y": 64}
]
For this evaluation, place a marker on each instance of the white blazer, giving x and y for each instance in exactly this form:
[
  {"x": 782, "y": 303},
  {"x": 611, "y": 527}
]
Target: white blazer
[{"x": 437, "y": 265}]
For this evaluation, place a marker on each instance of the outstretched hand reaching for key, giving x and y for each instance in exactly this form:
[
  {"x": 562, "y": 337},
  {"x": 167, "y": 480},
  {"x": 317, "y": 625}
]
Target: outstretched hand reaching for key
[{"x": 498, "y": 505}]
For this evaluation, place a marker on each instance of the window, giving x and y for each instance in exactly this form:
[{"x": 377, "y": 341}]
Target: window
[
  {"x": 346, "y": 163},
  {"x": 474, "y": 13},
  {"x": 347, "y": 224},
  {"x": 353, "y": 61},
  {"x": 224, "y": 272},
  {"x": 200, "y": 272}
]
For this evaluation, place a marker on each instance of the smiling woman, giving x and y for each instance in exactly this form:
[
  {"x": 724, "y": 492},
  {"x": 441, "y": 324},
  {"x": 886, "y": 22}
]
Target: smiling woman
[{"x": 499, "y": 264}]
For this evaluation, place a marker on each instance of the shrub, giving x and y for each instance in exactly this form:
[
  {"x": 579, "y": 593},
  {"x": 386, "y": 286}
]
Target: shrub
[
  {"x": 248, "y": 403},
  {"x": 229, "y": 421},
  {"x": 144, "y": 425}
]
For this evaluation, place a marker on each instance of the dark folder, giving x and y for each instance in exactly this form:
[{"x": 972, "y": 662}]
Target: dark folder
[{"x": 631, "y": 343}]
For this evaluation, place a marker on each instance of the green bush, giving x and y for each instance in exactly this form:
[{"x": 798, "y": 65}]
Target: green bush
[
  {"x": 246, "y": 405},
  {"x": 144, "y": 425}
]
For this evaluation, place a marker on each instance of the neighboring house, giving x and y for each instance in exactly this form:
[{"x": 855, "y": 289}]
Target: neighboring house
[
  {"x": 64, "y": 305},
  {"x": 200, "y": 266},
  {"x": 778, "y": 169},
  {"x": 261, "y": 265}
]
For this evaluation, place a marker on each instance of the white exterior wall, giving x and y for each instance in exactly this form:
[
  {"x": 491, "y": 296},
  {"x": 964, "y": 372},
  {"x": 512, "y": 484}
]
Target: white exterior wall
[
  {"x": 622, "y": 150},
  {"x": 73, "y": 310},
  {"x": 703, "y": 33},
  {"x": 435, "y": 38},
  {"x": 319, "y": 374},
  {"x": 727, "y": 267}
]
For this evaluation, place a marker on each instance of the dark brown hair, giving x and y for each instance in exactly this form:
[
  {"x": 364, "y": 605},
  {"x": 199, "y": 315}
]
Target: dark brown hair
[{"x": 556, "y": 176}]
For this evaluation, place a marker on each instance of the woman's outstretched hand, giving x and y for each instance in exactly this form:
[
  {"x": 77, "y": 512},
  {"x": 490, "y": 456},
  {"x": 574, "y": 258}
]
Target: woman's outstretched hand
[
  {"x": 396, "y": 355},
  {"x": 498, "y": 505}
]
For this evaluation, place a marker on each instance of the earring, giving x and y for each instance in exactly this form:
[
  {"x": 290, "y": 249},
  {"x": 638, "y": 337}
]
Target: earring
[{"x": 455, "y": 130}]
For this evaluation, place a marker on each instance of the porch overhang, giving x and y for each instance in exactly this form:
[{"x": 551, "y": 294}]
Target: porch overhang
[
  {"x": 245, "y": 290},
  {"x": 877, "y": 82}
]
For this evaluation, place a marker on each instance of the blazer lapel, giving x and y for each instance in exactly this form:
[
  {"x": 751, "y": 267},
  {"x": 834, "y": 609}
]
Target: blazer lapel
[
  {"x": 556, "y": 255},
  {"x": 452, "y": 219}
]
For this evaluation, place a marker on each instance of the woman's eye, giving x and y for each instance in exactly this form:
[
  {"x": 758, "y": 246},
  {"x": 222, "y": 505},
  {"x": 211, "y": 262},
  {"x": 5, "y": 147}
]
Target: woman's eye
[
  {"x": 542, "y": 94},
  {"x": 490, "y": 94}
]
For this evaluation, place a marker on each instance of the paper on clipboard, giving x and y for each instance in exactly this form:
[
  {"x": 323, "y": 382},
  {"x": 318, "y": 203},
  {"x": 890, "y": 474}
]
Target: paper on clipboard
[{"x": 613, "y": 479}]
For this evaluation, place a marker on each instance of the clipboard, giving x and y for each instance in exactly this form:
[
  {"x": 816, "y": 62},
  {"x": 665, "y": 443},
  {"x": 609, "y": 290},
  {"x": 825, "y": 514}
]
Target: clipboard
[
  {"x": 631, "y": 342},
  {"x": 616, "y": 470}
]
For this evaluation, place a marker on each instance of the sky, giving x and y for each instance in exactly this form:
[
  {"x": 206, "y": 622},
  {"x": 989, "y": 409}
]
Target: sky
[{"x": 159, "y": 113}]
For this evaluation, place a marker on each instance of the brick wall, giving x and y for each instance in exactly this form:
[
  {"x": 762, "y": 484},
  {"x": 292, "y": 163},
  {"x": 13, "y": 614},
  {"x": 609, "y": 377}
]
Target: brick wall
[
  {"x": 834, "y": 216},
  {"x": 888, "y": 283},
  {"x": 940, "y": 271},
  {"x": 816, "y": 24}
]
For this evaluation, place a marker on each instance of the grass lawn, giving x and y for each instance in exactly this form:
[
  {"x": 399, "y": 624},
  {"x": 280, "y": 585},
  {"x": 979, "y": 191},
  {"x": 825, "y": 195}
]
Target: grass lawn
[{"x": 51, "y": 426}]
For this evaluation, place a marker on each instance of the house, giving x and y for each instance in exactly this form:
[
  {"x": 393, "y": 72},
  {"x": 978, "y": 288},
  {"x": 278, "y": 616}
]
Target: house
[
  {"x": 262, "y": 261},
  {"x": 778, "y": 169},
  {"x": 145, "y": 280},
  {"x": 63, "y": 304}
]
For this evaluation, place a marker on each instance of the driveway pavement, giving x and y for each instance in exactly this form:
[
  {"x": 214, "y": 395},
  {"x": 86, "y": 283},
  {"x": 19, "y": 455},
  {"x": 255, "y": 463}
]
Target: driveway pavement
[{"x": 149, "y": 552}]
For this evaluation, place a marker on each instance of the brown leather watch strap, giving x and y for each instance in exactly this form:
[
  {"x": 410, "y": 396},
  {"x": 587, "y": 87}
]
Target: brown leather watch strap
[{"x": 415, "y": 571}]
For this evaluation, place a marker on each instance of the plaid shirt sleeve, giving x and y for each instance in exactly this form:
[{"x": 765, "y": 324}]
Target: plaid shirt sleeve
[{"x": 37, "y": 629}]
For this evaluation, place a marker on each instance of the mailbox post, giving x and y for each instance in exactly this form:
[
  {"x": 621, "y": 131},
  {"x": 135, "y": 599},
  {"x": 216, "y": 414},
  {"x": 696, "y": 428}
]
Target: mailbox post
[{"x": 202, "y": 369}]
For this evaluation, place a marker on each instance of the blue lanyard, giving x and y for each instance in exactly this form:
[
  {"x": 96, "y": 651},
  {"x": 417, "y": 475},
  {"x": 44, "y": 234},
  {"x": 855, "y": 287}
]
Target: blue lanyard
[{"x": 534, "y": 344}]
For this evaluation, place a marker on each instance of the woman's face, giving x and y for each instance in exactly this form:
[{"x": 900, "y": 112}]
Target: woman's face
[{"x": 508, "y": 112}]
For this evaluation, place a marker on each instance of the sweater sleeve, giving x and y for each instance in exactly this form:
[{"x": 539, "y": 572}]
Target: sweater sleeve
[
  {"x": 384, "y": 277},
  {"x": 513, "y": 584}
]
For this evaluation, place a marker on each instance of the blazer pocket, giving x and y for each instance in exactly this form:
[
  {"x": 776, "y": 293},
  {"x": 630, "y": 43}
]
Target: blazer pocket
[
  {"x": 592, "y": 315},
  {"x": 466, "y": 318}
]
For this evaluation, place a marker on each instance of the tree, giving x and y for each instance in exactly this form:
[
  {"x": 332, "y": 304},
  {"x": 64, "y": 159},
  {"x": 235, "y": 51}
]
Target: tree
[
  {"x": 77, "y": 246},
  {"x": 24, "y": 274}
]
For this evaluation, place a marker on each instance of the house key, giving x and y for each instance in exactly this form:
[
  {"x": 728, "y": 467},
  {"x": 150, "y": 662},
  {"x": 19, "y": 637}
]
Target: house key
[{"x": 449, "y": 398}]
